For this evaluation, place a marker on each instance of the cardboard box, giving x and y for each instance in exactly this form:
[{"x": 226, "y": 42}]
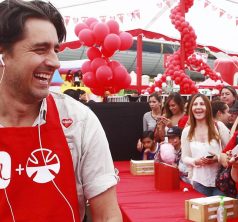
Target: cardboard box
[
  {"x": 166, "y": 177},
  {"x": 142, "y": 167},
  {"x": 205, "y": 209}
]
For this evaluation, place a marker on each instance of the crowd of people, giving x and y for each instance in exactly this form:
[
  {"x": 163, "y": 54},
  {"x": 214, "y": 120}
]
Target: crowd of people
[
  {"x": 203, "y": 133},
  {"x": 38, "y": 127},
  {"x": 54, "y": 154}
]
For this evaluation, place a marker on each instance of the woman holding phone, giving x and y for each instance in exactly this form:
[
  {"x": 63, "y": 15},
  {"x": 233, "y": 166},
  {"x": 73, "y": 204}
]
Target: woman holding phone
[{"x": 201, "y": 142}]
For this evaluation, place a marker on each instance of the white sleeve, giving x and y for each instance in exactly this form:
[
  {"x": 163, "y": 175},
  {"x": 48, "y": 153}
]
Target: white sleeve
[
  {"x": 224, "y": 133},
  {"x": 96, "y": 165},
  {"x": 185, "y": 146}
]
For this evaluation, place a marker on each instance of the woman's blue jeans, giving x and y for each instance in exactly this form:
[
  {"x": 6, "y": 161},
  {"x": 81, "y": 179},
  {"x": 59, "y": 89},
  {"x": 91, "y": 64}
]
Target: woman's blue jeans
[{"x": 207, "y": 191}]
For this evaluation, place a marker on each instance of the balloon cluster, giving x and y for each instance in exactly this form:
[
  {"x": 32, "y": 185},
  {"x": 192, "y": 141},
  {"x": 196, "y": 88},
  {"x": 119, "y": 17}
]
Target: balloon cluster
[
  {"x": 176, "y": 67},
  {"x": 100, "y": 73}
]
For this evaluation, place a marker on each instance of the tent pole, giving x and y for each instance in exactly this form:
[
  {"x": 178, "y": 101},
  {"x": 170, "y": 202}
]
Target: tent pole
[{"x": 139, "y": 62}]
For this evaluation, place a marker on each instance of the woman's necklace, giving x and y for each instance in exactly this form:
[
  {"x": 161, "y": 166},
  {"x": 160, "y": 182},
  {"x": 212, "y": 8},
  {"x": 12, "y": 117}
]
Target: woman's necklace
[{"x": 155, "y": 115}]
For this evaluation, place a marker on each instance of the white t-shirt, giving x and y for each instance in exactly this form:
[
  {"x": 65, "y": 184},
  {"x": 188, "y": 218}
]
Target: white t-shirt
[
  {"x": 192, "y": 150},
  {"x": 89, "y": 147}
]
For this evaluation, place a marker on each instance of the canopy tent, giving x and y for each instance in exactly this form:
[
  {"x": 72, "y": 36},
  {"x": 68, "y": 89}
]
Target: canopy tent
[
  {"x": 73, "y": 65},
  {"x": 215, "y": 21},
  {"x": 209, "y": 83}
]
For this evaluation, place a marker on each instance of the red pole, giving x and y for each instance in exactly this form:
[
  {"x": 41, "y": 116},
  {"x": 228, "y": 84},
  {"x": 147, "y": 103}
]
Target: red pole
[
  {"x": 139, "y": 62},
  {"x": 182, "y": 58}
]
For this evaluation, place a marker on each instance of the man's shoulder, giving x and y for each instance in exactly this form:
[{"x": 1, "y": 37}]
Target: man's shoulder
[{"x": 66, "y": 104}]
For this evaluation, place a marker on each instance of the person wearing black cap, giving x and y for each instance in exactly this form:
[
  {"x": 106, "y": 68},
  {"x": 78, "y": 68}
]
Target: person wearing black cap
[{"x": 174, "y": 138}]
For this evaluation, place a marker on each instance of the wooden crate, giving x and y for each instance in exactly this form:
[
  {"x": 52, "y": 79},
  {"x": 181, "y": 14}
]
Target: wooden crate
[
  {"x": 142, "y": 167},
  {"x": 205, "y": 209}
]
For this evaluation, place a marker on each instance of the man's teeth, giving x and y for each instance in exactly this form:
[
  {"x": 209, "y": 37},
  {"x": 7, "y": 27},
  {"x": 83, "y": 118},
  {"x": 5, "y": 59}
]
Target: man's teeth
[{"x": 42, "y": 75}]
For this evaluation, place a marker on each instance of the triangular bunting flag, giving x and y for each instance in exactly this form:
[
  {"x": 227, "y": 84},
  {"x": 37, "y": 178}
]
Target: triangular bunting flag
[
  {"x": 229, "y": 16},
  {"x": 222, "y": 12},
  {"x": 103, "y": 18},
  {"x": 84, "y": 19},
  {"x": 214, "y": 8},
  {"x": 168, "y": 3},
  {"x": 112, "y": 17},
  {"x": 137, "y": 12},
  {"x": 160, "y": 4},
  {"x": 121, "y": 17},
  {"x": 206, "y": 3},
  {"x": 75, "y": 20}
]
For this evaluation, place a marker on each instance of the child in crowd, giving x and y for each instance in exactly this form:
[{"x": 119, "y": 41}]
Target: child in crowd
[
  {"x": 151, "y": 147},
  {"x": 174, "y": 138}
]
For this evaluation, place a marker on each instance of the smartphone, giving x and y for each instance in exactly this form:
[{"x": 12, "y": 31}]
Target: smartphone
[{"x": 210, "y": 156}]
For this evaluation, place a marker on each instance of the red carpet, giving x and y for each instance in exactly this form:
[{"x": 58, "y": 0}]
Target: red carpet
[{"x": 141, "y": 202}]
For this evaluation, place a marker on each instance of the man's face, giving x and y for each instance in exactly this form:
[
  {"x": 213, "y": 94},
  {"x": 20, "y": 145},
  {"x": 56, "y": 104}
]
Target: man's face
[
  {"x": 175, "y": 141},
  {"x": 31, "y": 63},
  {"x": 224, "y": 116},
  {"x": 232, "y": 117}
]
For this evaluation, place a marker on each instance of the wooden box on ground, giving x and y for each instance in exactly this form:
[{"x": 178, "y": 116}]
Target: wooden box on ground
[
  {"x": 205, "y": 209},
  {"x": 142, "y": 167}
]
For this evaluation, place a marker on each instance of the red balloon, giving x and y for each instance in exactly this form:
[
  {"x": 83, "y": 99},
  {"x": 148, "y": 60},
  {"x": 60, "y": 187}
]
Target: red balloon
[
  {"x": 86, "y": 37},
  {"x": 113, "y": 64},
  {"x": 86, "y": 67},
  {"x": 107, "y": 53},
  {"x": 114, "y": 90},
  {"x": 89, "y": 21},
  {"x": 113, "y": 26},
  {"x": 93, "y": 53},
  {"x": 104, "y": 75},
  {"x": 126, "y": 40},
  {"x": 79, "y": 27},
  {"x": 92, "y": 25},
  {"x": 98, "y": 91},
  {"x": 126, "y": 83},
  {"x": 119, "y": 75},
  {"x": 100, "y": 31},
  {"x": 112, "y": 42},
  {"x": 96, "y": 63},
  {"x": 89, "y": 79}
]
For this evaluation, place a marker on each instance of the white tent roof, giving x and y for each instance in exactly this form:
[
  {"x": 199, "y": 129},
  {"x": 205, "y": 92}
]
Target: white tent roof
[
  {"x": 215, "y": 21},
  {"x": 211, "y": 83}
]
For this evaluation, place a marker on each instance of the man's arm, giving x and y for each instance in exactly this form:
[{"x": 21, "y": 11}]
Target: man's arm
[{"x": 104, "y": 207}]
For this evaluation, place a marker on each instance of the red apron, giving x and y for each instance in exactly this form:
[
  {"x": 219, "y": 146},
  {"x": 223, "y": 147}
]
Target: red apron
[{"x": 37, "y": 184}]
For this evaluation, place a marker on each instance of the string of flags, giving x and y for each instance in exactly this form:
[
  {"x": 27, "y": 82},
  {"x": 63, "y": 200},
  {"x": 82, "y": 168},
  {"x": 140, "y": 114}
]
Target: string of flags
[
  {"x": 222, "y": 13},
  {"x": 136, "y": 14},
  {"x": 133, "y": 15}
]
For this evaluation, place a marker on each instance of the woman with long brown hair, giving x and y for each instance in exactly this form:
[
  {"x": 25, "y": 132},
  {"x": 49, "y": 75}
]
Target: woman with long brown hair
[
  {"x": 174, "y": 108},
  {"x": 201, "y": 142}
]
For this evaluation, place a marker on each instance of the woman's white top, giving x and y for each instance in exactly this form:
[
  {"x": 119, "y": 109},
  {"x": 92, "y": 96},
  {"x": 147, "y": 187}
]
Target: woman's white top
[{"x": 192, "y": 150}]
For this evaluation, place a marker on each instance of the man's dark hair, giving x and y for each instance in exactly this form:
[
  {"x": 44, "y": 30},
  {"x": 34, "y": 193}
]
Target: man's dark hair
[
  {"x": 218, "y": 106},
  {"x": 14, "y": 13}
]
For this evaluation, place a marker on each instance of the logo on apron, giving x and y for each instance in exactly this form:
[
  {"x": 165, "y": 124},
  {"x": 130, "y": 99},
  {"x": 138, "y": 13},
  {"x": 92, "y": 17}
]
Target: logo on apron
[
  {"x": 5, "y": 169},
  {"x": 42, "y": 165}
]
